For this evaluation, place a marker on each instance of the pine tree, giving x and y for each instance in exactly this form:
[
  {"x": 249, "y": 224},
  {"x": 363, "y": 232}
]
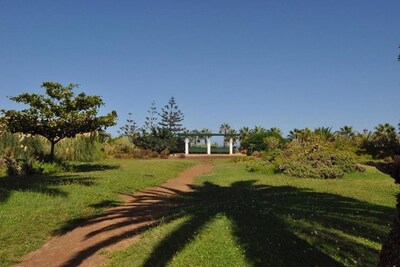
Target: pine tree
[
  {"x": 171, "y": 116},
  {"x": 129, "y": 129},
  {"x": 151, "y": 119}
]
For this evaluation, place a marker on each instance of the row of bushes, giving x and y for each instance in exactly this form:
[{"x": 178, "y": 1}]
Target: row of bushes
[
  {"x": 22, "y": 154},
  {"x": 28, "y": 147}
]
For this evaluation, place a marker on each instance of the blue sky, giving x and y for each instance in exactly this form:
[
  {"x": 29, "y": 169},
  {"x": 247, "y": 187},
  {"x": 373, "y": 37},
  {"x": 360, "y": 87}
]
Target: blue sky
[{"x": 272, "y": 63}]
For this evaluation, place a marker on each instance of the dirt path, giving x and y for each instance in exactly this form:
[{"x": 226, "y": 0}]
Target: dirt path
[{"x": 116, "y": 228}]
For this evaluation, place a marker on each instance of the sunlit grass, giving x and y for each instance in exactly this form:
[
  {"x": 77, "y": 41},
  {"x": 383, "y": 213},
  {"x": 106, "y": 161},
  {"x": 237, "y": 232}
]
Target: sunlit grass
[
  {"x": 237, "y": 218},
  {"x": 33, "y": 208}
]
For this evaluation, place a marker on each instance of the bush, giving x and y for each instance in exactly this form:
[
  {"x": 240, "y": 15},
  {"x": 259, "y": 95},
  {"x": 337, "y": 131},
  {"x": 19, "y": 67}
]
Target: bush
[
  {"x": 81, "y": 148},
  {"x": 120, "y": 147},
  {"x": 315, "y": 159},
  {"x": 18, "y": 167}
]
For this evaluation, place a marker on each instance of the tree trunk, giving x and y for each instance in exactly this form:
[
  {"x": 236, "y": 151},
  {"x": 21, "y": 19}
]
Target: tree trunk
[{"x": 53, "y": 143}]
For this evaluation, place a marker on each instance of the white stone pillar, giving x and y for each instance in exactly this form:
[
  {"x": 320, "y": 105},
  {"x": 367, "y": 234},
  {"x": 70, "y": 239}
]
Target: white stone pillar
[
  {"x": 186, "y": 146},
  {"x": 231, "y": 146},
  {"x": 209, "y": 145}
]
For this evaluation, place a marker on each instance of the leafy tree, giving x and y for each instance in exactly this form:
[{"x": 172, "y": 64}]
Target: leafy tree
[
  {"x": 58, "y": 114},
  {"x": 129, "y": 130},
  {"x": 151, "y": 119},
  {"x": 171, "y": 117}
]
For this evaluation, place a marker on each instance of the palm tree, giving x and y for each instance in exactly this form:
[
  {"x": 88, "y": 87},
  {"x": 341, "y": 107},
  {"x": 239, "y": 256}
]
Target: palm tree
[
  {"x": 204, "y": 133},
  {"x": 244, "y": 133},
  {"x": 234, "y": 137},
  {"x": 275, "y": 131},
  {"x": 258, "y": 129},
  {"x": 194, "y": 139},
  {"x": 346, "y": 131},
  {"x": 325, "y": 133},
  {"x": 224, "y": 128},
  {"x": 385, "y": 131},
  {"x": 293, "y": 134}
]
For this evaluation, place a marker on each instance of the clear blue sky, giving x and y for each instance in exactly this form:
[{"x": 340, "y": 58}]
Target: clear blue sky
[{"x": 272, "y": 63}]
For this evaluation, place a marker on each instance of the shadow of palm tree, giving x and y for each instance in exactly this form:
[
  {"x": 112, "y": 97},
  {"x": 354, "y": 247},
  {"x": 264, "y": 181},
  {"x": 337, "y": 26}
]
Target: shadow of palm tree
[
  {"x": 269, "y": 222},
  {"x": 42, "y": 184}
]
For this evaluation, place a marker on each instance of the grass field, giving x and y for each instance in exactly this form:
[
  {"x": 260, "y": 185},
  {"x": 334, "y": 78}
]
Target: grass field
[
  {"x": 34, "y": 208},
  {"x": 237, "y": 218}
]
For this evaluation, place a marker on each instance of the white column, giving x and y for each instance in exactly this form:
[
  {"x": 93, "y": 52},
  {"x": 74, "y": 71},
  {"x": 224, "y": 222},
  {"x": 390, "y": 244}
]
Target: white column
[
  {"x": 186, "y": 146},
  {"x": 231, "y": 146},
  {"x": 209, "y": 145}
]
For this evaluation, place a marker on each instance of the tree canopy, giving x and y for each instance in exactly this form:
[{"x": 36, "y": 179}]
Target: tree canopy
[
  {"x": 171, "y": 117},
  {"x": 57, "y": 114}
]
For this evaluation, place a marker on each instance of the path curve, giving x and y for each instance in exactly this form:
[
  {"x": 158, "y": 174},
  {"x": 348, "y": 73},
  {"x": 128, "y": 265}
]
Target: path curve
[{"x": 116, "y": 228}]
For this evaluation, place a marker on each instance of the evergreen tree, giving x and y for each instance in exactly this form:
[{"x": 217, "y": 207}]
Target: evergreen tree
[
  {"x": 171, "y": 116},
  {"x": 151, "y": 119},
  {"x": 129, "y": 129}
]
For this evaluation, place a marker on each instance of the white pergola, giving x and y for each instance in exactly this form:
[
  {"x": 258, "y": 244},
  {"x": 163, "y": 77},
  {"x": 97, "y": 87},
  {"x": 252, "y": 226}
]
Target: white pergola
[{"x": 208, "y": 138}]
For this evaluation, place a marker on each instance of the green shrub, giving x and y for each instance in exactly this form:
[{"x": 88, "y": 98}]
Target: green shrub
[
  {"x": 20, "y": 167},
  {"x": 81, "y": 148},
  {"x": 120, "y": 147},
  {"x": 30, "y": 148},
  {"x": 49, "y": 167},
  {"x": 315, "y": 159},
  {"x": 22, "y": 146}
]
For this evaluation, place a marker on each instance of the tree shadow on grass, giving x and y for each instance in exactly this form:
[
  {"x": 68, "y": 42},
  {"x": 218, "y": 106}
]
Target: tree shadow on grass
[
  {"x": 281, "y": 226},
  {"x": 44, "y": 184},
  {"x": 276, "y": 226},
  {"x": 88, "y": 167}
]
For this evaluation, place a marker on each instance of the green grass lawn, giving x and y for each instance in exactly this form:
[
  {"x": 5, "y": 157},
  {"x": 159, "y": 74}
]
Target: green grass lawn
[
  {"x": 237, "y": 218},
  {"x": 34, "y": 208}
]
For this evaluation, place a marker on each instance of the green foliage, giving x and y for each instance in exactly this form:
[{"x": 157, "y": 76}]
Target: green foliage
[
  {"x": 151, "y": 119},
  {"x": 383, "y": 142},
  {"x": 22, "y": 146},
  {"x": 171, "y": 117},
  {"x": 262, "y": 140},
  {"x": 129, "y": 129},
  {"x": 159, "y": 139},
  {"x": 120, "y": 147},
  {"x": 58, "y": 114},
  {"x": 20, "y": 167},
  {"x": 325, "y": 133},
  {"x": 34, "y": 148},
  {"x": 84, "y": 148},
  {"x": 314, "y": 159}
]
